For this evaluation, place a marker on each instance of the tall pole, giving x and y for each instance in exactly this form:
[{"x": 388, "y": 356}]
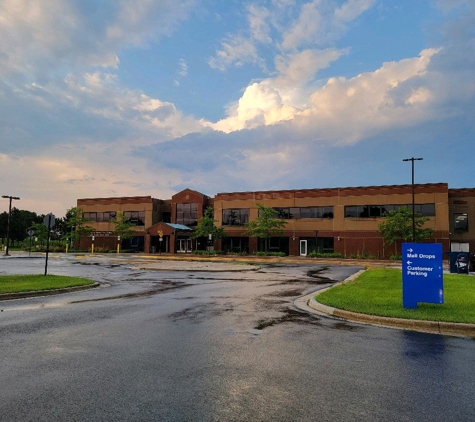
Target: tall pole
[
  {"x": 9, "y": 218},
  {"x": 413, "y": 202}
]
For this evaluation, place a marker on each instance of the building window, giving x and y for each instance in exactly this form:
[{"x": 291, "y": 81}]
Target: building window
[
  {"x": 274, "y": 244},
  {"x": 236, "y": 244},
  {"x": 91, "y": 216},
  {"x": 354, "y": 211},
  {"x": 187, "y": 214},
  {"x": 375, "y": 211},
  {"x": 135, "y": 217},
  {"x": 304, "y": 212},
  {"x": 320, "y": 244},
  {"x": 460, "y": 222},
  {"x": 235, "y": 217},
  {"x": 99, "y": 216},
  {"x": 426, "y": 210}
]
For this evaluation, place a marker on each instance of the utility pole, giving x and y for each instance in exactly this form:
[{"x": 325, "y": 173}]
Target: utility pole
[
  {"x": 413, "y": 205},
  {"x": 9, "y": 217}
]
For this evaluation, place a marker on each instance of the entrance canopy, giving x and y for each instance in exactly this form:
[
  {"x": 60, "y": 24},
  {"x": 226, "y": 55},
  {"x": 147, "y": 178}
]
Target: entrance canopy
[
  {"x": 167, "y": 229},
  {"x": 179, "y": 227}
]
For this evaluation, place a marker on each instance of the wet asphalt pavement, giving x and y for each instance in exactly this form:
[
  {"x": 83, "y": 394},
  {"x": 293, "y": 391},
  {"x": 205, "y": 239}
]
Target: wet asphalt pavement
[{"x": 160, "y": 345}]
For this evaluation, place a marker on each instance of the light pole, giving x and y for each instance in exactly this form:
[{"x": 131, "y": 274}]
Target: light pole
[
  {"x": 413, "y": 205},
  {"x": 9, "y": 217}
]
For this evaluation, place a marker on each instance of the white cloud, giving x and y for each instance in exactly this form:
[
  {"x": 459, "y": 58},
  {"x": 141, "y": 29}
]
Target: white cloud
[
  {"x": 320, "y": 24},
  {"x": 346, "y": 110},
  {"x": 299, "y": 68},
  {"x": 99, "y": 94},
  {"x": 261, "y": 104},
  {"x": 41, "y": 38},
  {"x": 343, "y": 110},
  {"x": 182, "y": 67},
  {"x": 259, "y": 28},
  {"x": 236, "y": 50},
  {"x": 306, "y": 28},
  {"x": 352, "y": 9}
]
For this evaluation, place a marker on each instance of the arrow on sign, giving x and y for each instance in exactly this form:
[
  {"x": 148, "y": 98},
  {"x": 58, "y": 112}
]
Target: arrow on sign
[{"x": 409, "y": 262}]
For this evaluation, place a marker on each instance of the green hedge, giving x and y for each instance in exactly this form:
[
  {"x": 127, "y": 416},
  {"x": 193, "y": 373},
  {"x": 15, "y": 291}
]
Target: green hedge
[
  {"x": 325, "y": 255},
  {"x": 259, "y": 253}
]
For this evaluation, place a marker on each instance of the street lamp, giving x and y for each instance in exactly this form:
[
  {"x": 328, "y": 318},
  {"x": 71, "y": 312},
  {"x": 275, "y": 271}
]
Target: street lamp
[
  {"x": 9, "y": 217},
  {"x": 413, "y": 205}
]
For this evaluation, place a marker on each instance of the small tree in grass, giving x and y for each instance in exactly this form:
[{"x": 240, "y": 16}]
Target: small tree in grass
[
  {"x": 206, "y": 226},
  {"x": 77, "y": 223},
  {"x": 265, "y": 225},
  {"x": 398, "y": 226},
  {"x": 123, "y": 226}
]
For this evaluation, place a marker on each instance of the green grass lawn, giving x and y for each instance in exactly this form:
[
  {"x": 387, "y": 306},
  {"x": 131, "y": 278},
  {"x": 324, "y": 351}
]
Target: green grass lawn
[
  {"x": 34, "y": 282},
  {"x": 379, "y": 292}
]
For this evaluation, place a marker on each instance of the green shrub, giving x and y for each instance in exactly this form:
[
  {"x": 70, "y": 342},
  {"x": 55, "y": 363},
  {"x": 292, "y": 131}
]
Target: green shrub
[
  {"x": 260, "y": 253},
  {"x": 395, "y": 257},
  {"x": 325, "y": 255},
  {"x": 200, "y": 252},
  {"x": 204, "y": 252},
  {"x": 362, "y": 255}
]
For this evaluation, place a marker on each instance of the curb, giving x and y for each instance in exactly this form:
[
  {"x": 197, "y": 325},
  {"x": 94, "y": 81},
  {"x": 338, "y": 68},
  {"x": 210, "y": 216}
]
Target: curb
[
  {"x": 445, "y": 328},
  {"x": 456, "y": 329},
  {"x": 22, "y": 295}
]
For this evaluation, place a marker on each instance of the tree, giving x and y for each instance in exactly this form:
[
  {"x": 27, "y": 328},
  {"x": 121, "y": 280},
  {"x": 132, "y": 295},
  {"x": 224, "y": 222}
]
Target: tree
[
  {"x": 206, "y": 226},
  {"x": 123, "y": 226},
  {"x": 77, "y": 223},
  {"x": 20, "y": 222},
  {"x": 265, "y": 225},
  {"x": 41, "y": 232},
  {"x": 398, "y": 226},
  {"x": 60, "y": 229}
]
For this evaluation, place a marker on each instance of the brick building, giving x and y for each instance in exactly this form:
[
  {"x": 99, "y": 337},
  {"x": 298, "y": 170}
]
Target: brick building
[{"x": 343, "y": 220}]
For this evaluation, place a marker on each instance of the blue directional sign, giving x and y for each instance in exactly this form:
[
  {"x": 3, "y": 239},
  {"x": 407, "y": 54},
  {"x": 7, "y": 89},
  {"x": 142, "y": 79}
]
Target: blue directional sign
[{"x": 422, "y": 275}]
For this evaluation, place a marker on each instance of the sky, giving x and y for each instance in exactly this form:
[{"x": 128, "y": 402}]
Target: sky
[{"x": 104, "y": 98}]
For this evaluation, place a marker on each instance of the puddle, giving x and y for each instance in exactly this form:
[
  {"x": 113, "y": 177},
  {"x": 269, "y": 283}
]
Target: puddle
[
  {"x": 287, "y": 293},
  {"x": 159, "y": 288},
  {"x": 346, "y": 327},
  {"x": 203, "y": 311},
  {"x": 290, "y": 315},
  {"x": 85, "y": 263},
  {"x": 317, "y": 278}
]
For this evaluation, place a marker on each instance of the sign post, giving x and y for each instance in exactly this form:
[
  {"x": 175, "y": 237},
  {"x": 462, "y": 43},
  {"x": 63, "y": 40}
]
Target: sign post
[
  {"x": 160, "y": 234},
  {"x": 30, "y": 233},
  {"x": 422, "y": 274},
  {"x": 48, "y": 221}
]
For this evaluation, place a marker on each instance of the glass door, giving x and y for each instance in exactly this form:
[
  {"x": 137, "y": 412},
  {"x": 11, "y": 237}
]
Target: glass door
[
  {"x": 303, "y": 248},
  {"x": 184, "y": 245}
]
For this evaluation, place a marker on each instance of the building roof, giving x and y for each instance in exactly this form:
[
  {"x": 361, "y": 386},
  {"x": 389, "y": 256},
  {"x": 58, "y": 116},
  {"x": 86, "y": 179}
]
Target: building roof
[
  {"x": 322, "y": 192},
  {"x": 178, "y": 226}
]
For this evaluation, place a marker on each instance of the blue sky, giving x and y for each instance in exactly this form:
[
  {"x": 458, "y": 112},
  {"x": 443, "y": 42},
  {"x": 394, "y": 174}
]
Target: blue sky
[{"x": 124, "y": 98}]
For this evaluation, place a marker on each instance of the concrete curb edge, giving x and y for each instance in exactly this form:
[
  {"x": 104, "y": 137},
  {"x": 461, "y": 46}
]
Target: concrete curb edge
[
  {"x": 22, "y": 295},
  {"x": 456, "y": 329}
]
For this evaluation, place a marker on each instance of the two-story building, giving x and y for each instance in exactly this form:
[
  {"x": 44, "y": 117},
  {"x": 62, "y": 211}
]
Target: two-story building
[{"x": 343, "y": 220}]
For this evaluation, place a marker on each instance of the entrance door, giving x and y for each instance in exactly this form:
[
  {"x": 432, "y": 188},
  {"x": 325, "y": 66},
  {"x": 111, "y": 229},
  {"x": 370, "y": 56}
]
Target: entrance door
[
  {"x": 184, "y": 245},
  {"x": 303, "y": 248}
]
